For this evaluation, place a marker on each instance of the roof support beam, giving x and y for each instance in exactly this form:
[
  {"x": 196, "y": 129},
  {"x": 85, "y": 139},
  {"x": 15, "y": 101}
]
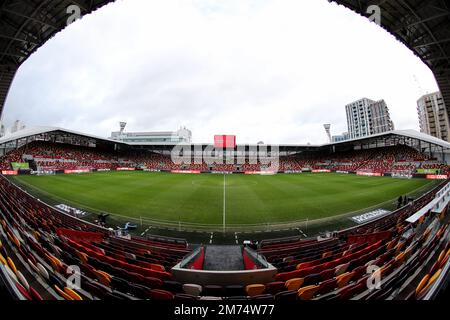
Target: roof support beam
[
  {"x": 18, "y": 39},
  {"x": 36, "y": 10},
  {"x": 47, "y": 24},
  {"x": 441, "y": 15},
  {"x": 437, "y": 42}
]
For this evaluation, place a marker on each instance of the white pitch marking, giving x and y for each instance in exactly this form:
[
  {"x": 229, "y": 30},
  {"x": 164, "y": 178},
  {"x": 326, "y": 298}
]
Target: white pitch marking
[
  {"x": 224, "y": 203},
  {"x": 146, "y": 230}
]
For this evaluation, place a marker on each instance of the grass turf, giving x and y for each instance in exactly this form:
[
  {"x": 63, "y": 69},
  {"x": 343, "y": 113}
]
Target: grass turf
[{"x": 250, "y": 199}]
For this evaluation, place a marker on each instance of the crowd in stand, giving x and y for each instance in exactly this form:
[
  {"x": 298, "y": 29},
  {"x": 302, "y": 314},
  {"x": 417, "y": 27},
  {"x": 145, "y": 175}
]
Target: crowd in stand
[
  {"x": 47, "y": 241},
  {"x": 56, "y": 156},
  {"x": 39, "y": 243}
]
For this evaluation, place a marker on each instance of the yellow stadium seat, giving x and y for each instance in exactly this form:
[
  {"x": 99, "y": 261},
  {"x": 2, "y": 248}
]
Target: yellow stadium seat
[
  {"x": 391, "y": 244},
  {"x": 83, "y": 257},
  {"x": 344, "y": 279},
  {"x": 399, "y": 259},
  {"x": 422, "y": 284},
  {"x": 103, "y": 277},
  {"x": 294, "y": 284},
  {"x": 62, "y": 293},
  {"x": 72, "y": 294},
  {"x": 3, "y": 260},
  {"x": 14, "y": 239},
  {"x": 255, "y": 289},
  {"x": 11, "y": 265},
  {"x": 56, "y": 263},
  {"x": 399, "y": 247},
  {"x": 307, "y": 293},
  {"x": 429, "y": 283},
  {"x": 434, "y": 277}
]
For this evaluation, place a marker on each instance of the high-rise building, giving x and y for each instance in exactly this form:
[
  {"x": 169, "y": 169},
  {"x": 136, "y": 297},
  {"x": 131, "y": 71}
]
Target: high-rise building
[
  {"x": 340, "y": 138},
  {"x": 433, "y": 116},
  {"x": 366, "y": 117}
]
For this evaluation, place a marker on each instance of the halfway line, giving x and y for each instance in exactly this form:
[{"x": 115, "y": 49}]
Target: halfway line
[{"x": 224, "y": 203}]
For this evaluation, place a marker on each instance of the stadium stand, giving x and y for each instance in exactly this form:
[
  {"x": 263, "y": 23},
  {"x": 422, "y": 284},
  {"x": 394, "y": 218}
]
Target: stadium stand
[
  {"x": 38, "y": 244},
  {"x": 57, "y": 156}
]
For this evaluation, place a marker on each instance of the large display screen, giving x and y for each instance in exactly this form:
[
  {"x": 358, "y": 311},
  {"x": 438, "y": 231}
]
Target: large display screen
[
  {"x": 428, "y": 171},
  {"x": 224, "y": 141},
  {"x": 20, "y": 165}
]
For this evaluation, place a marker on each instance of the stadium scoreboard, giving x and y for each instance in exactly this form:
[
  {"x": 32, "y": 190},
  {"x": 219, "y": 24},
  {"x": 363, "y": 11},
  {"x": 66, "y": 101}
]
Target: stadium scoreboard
[{"x": 224, "y": 141}]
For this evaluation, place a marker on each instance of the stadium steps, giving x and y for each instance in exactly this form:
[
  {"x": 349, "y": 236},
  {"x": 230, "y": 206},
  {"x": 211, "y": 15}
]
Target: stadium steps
[{"x": 223, "y": 258}]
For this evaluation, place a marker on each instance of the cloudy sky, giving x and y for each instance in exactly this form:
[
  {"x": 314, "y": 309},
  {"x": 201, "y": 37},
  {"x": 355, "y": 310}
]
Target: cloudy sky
[{"x": 265, "y": 70}]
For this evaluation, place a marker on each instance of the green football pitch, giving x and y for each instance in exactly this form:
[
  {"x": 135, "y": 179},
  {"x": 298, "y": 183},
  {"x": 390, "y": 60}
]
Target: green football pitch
[{"x": 211, "y": 198}]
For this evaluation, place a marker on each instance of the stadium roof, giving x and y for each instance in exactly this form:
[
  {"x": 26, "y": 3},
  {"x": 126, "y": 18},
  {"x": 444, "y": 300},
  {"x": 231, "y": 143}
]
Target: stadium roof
[
  {"x": 423, "y": 26},
  {"x": 27, "y": 25},
  {"x": 413, "y": 134},
  {"x": 32, "y": 131},
  {"x": 27, "y": 132}
]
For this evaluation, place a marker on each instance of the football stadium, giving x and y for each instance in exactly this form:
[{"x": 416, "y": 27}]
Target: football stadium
[{"x": 84, "y": 217}]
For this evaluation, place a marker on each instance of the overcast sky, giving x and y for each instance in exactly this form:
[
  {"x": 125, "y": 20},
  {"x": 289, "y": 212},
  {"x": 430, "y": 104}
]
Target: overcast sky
[{"x": 265, "y": 70}]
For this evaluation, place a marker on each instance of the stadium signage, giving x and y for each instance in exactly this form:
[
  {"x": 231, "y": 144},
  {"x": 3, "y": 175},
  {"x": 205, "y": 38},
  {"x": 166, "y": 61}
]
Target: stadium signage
[
  {"x": 293, "y": 171},
  {"x": 126, "y": 169},
  {"x": 222, "y": 172},
  {"x": 369, "y": 216},
  {"x": 70, "y": 210},
  {"x": 77, "y": 171},
  {"x": 9, "y": 172},
  {"x": 437, "y": 177},
  {"x": 186, "y": 171},
  {"x": 401, "y": 175},
  {"x": 20, "y": 166},
  {"x": 260, "y": 172},
  {"x": 43, "y": 172},
  {"x": 368, "y": 174},
  {"x": 103, "y": 170},
  {"x": 342, "y": 172},
  {"x": 428, "y": 171},
  {"x": 321, "y": 171}
]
